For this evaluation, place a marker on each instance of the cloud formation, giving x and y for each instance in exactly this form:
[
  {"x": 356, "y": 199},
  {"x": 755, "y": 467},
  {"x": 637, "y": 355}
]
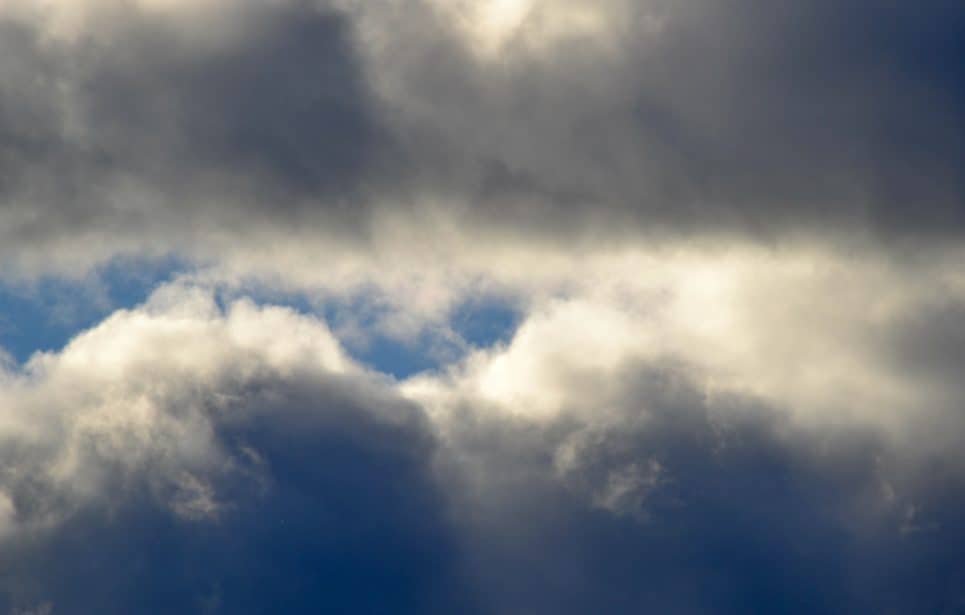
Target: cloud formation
[
  {"x": 734, "y": 116},
  {"x": 201, "y": 128},
  {"x": 724, "y": 239},
  {"x": 180, "y": 458},
  {"x": 183, "y": 457}
]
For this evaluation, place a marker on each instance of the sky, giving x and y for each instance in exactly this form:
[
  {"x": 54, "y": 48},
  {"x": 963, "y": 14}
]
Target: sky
[{"x": 494, "y": 307}]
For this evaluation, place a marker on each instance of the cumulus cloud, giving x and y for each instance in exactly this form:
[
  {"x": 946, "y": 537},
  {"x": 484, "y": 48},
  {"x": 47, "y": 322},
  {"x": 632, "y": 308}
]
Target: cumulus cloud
[
  {"x": 827, "y": 336},
  {"x": 730, "y": 232},
  {"x": 692, "y": 503},
  {"x": 185, "y": 456},
  {"x": 144, "y": 389},
  {"x": 177, "y": 457},
  {"x": 593, "y": 472}
]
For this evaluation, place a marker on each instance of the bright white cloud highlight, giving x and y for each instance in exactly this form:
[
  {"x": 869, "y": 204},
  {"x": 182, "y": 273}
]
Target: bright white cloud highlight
[{"x": 140, "y": 394}]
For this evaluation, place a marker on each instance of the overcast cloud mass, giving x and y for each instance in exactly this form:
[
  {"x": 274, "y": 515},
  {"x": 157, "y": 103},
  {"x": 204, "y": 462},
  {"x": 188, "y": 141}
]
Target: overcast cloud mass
[{"x": 482, "y": 306}]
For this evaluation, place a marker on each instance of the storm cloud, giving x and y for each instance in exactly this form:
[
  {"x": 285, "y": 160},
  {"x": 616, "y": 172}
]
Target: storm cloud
[
  {"x": 179, "y": 128},
  {"x": 243, "y": 464},
  {"x": 482, "y": 306},
  {"x": 684, "y": 503},
  {"x": 161, "y": 138}
]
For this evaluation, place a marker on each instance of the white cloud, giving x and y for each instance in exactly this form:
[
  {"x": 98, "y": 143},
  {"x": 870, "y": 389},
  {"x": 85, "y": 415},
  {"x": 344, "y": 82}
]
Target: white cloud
[
  {"x": 612, "y": 385},
  {"x": 813, "y": 332},
  {"x": 142, "y": 393}
]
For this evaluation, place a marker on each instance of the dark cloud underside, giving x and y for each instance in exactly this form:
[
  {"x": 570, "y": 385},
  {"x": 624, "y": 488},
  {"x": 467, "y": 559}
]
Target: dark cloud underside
[
  {"x": 738, "y": 116},
  {"x": 341, "y": 500}
]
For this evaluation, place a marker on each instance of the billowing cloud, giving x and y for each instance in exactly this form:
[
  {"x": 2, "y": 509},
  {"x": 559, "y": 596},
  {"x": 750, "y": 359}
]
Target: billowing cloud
[
  {"x": 190, "y": 457},
  {"x": 719, "y": 245},
  {"x": 179, "y": 458},
  {"x": 657, "y": 495}
]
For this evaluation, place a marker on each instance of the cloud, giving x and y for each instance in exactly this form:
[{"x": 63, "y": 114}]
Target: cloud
[
  {"x": 649, "y": 489},
  {"x": 729, "y": 232},
  {"x": 696, "y": 504},
  {"x": 177, "y": 457},
  {"x": 183, "y": 455},
  {"x": 711, "y": 118},
  {"x": 350, "y": 123},
  {"x": 136, "y": 133},
  {"x": 829, "y": 336}
]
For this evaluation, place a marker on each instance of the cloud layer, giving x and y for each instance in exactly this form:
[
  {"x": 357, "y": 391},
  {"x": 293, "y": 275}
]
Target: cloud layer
[
  {"x": 715, "y": 248},
  {"x": 199, "y": 127},
  {"x": 181, "y": 456}
]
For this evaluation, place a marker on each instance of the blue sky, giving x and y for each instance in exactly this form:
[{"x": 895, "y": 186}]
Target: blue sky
[{"x": 43, "y": 314}]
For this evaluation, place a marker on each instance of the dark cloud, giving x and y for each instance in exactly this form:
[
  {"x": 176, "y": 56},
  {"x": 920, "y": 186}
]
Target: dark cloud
[
  {"x": 139, "y": 132},
  {"x": 930, "y": 342},
  {"x": 211, "y": 467},
  {"x": 325, "y": 501},
  {"x": 662, "y": 498},
  {"x": 729, "y": 116},
  {"x": 282, "y": 104}
]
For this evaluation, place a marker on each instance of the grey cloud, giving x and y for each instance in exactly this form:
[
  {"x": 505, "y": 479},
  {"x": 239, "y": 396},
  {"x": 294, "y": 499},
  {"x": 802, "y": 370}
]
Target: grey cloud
[
  {"x": 181, "y": 457},
  {"x": 208, "y": 473},
  {"x": 930, "y": 342},
  {"x": 739, "y": 116},
  {"x": 147, "y": 139},
  {"x": 153, "y": 482},
  {"x": 685, "y": 503},
  {"x": 326, "y": 507},
  {"x": 730, "y": 116},
  {"x": 285, "y": 103}
]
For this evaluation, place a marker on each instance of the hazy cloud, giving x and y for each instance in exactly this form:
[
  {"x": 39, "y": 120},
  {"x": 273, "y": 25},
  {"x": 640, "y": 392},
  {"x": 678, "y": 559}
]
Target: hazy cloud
[
  {"x": 723, "y": 239},
  {"x": 539, "y": 117}
]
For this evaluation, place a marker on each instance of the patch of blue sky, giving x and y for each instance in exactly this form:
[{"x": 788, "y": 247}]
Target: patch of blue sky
[
  {"x": 486, "y": 320},
  {"x": 402, "y": 358},
  {"x": 45, "y": 313},
  {"x": 362, "y": 323},
  {"x": 477, "y": 322}
]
